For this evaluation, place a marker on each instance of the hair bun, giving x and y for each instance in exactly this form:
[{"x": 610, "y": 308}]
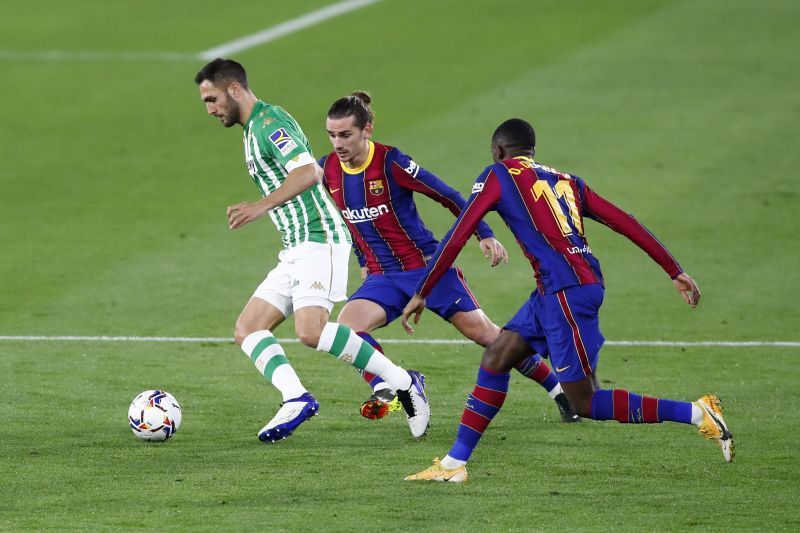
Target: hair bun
[{"x": 363, "y": 96}]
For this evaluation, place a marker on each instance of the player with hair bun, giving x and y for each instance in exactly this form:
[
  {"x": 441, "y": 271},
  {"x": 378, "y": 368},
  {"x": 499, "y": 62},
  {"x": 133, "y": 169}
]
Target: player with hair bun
[{"x": 373, "y": 185}]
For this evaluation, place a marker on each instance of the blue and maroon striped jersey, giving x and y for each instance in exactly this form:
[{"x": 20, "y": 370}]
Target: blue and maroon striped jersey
[
  {"x": 377, "y": 204},
  {"x": 544, "y": 209}
]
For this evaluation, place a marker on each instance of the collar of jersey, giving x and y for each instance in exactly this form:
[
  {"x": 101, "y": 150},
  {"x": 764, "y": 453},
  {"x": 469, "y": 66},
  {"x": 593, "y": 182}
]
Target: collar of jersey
[
  {"x": 364, "y": 166},
  {"x": 260, "y": 105}
]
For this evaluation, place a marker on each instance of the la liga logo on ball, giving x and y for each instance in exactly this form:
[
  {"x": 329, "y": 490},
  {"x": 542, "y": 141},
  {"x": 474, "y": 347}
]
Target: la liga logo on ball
[{"x": 154, "y": 415}]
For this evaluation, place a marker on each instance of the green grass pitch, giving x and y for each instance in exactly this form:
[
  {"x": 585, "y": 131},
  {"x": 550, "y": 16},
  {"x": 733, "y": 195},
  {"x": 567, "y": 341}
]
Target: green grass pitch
[{"x": 113, "y": 188}]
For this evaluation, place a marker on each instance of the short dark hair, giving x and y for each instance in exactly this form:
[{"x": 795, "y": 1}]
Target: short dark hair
[
  {"x": 222, "y": 72},
  {"x": 515, "y": 133},
  {"x": 357, "y": 105}
]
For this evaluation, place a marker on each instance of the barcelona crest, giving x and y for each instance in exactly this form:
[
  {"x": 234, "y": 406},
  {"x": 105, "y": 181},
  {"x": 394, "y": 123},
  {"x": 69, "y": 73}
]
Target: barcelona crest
[{"x": 376, "y": 187}]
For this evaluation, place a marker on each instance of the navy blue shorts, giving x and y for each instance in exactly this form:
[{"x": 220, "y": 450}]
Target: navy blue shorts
[
  {"x": 393, "y": 290},
  {"x": 565, "y": 326}
]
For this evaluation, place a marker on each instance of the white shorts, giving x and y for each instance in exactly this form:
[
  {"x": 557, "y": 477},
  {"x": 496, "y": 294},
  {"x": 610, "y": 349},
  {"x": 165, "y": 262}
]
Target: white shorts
[{"x": 309, "y": 274}]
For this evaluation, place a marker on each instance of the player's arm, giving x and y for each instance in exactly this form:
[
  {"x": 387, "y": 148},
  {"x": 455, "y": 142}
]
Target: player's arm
[
  {"x": 298, "y": 180},
  {"x": 408, "y": 174},
  {"x": 484, "y": 198},
  {"x": 283, "y": 144},
  {"x": 605, "y": 212}
]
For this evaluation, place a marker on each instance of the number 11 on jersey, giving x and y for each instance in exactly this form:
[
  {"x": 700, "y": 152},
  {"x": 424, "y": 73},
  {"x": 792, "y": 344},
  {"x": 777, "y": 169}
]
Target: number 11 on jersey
[{"x": 562, "y": 189}]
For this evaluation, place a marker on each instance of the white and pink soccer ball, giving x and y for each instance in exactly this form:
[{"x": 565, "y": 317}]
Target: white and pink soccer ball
[{"x": 154, "y": 415}]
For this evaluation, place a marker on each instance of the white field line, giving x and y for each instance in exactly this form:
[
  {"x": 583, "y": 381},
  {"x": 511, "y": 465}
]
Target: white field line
[
  {"x": 284, "y": 28},
  {"x": 102, "y": 338},
  {"x": 87, "y": 55},
  {"x": 238, "y": 45}
]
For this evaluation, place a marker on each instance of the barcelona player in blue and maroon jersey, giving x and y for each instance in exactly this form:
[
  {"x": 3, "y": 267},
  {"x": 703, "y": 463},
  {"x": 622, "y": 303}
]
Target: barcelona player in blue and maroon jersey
[
  {"x": 373, "y": 186},
  {"x": 545, "y": 210}
]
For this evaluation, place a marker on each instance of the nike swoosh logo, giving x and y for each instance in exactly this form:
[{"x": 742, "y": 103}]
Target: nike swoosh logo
[
  {"x": 334, "y": 190},
  {"x": 446, "y": 475},
  {"x": 724, "y": 432},
  {"x": 562, "y": 369}
]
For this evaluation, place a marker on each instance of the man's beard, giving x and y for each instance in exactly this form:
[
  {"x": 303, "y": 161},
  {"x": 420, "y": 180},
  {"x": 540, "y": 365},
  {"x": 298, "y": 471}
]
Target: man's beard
[{"x": 231, "y": 116}]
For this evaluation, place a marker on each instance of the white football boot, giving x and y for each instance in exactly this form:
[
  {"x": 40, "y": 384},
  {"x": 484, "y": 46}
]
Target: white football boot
[
  {"x": 415, "y": 404},
  {"x": 291, "y": 414}
]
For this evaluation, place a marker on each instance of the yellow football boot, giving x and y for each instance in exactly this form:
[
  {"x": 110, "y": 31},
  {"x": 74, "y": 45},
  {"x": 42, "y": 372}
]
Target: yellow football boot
[
  {"x": 439, "y": 473},
  {"x": 713, "y": 426}
]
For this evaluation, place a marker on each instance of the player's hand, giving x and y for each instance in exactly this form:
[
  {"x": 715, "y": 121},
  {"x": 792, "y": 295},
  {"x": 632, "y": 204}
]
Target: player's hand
[
  {"x": 364, "y": 273},
  {"x": 491, "y": 247},
  {"x": 415, "y": 307},
  {"x": 243, "y": 213},
  {"x": 688, "y": 289}
]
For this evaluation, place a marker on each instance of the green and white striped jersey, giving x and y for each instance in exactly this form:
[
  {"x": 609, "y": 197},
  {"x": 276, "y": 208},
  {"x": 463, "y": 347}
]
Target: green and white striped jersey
[{"x": 274, "y": 145}]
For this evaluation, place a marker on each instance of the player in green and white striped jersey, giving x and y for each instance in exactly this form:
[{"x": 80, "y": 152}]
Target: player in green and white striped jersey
[{"x": 312, "y": 270}]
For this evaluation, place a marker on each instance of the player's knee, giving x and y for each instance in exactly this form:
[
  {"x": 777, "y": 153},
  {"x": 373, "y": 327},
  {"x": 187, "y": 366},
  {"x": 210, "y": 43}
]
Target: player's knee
[
  {"x": 477, "y": 327},
  {"x": 504, "y": 352},
  {"x": 486, "y": 335},
  {"x": 493, "y": 360},
  {"x": 309, "y": 335},
  {"x": 240, "y": 332},
  {"x": 353, "y": 323}
]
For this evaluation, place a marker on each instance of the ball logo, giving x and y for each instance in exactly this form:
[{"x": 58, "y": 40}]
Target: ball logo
[{"x": 282, "y": 141}]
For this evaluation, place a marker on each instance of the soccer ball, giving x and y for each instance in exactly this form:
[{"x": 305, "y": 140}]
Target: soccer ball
[{"x": 154, "y": 415}]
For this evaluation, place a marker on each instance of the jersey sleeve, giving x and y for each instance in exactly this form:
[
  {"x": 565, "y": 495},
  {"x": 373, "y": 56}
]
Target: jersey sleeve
[
  {"x": 286, "y": 146},
  {"x": 408, "y": 174},
  {"x": 598, "y": 208},
  {"x": 485, "y": 196},
  {"x": 321, "y": 163}
]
